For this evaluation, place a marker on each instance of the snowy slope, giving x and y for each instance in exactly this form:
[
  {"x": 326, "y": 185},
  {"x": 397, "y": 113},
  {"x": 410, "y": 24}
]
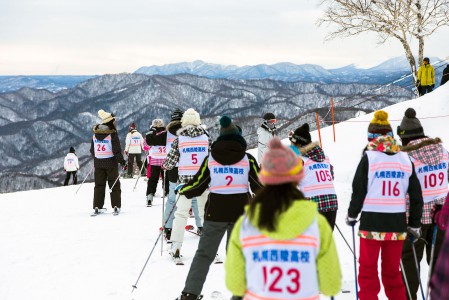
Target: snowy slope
[{"x": 52, "y": 249}]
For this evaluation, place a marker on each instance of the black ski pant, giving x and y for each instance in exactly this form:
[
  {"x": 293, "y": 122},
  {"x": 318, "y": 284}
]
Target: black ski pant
[
  {"x": 330, "y": 217},
  {"x": 156, "y": 171},
  {"x": 67, "y": 177},
  {"x": 408, "y": 259},
  {"x": 425, "y": 89},
  {"x": 101, "y": 177},
  {"x": 210, "y": 240},
  {"x": 138, "y": 158}
]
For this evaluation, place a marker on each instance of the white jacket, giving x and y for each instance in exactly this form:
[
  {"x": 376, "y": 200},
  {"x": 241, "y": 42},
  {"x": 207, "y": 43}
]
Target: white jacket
[
  {"x": 263, "y": 137},
  {"x": 137, "y": 146},
  {"x": 71, "y": 162}
]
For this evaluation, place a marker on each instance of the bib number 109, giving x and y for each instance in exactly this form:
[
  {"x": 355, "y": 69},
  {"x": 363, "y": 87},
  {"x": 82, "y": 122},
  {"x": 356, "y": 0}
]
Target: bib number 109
[{"x": 272, "y": 280}]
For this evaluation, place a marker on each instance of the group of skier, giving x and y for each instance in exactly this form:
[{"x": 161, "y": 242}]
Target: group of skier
[{"x": 281, "y": 246}]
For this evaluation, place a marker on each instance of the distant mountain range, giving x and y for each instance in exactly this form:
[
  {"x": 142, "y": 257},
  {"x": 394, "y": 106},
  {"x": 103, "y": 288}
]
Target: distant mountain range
[
  {"x": 389, "y": 71},
  {"x": 37, "y": 127}
]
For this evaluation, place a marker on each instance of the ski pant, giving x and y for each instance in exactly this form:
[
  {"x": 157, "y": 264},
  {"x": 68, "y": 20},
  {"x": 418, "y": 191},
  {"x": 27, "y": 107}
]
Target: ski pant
[
  {"x": 330, "y": 217},
  {"x": 156, "y": 171},
  {"x": 408, "y": 259},
  {"x": 213, "y": 233},
  {"x": 169, "y": 205},
  {"x": 138, "y": 158},
  {"x": 425, "y": 89},
  {"x": 391, "y": 275},
  {"x": 67, "y": 177},
  {"x": 182, "y": 214},
  {"x": 109, "y": 175}
]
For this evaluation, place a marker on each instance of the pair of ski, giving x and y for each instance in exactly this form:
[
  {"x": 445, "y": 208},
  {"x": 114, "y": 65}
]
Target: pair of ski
[{"x": 100, "y": 211}]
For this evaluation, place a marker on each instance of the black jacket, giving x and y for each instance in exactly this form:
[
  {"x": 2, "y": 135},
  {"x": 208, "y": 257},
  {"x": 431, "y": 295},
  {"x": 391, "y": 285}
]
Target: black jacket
[
  {"x": 445, "y": 77},
  {"x": 157, "y": 136},
  {"x": 227, "y": 150},
  {"x": 101, "y": 132}
]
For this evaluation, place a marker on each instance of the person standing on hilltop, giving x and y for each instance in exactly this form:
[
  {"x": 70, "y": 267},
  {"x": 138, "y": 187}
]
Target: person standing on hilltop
[
  {"x": 107, "y": 153},
  {"x": 426, "y": 77},
  {"x": 265, "y": 132},
  {"x": 133, "y": 148},
  {"x": 71, "y": 166}
]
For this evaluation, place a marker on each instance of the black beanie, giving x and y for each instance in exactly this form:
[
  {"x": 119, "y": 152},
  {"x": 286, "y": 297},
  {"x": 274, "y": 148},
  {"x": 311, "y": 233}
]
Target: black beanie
[
  {"x": 72, "y": 150},
  {"x": 176, "y": 115},
  {"x": 301, "y": 136},
  {"x": 228, "y": 127},
  {"x": 269, "y": 116},
  {"x": 410, "y": 127}
]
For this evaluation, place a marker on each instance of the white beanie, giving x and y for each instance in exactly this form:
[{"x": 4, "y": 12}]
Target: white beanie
[
  {"x": 157, "y": 123},
  {"x": 190, "y": 117},
  {"x": 105, "y": 116}
]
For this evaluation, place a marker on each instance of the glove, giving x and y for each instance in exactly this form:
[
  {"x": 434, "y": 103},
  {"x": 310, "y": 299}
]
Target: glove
[
  {"x": 418, "y": 83},
  {"x": 350, "y": 221},
  {"x": 415, "y": 232},
  {"x": 124, "y": 166},
  {"x": 179, "y": 187}
]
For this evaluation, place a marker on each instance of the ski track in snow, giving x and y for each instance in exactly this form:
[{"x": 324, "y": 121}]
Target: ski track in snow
[{"x": 52, "y": 249}]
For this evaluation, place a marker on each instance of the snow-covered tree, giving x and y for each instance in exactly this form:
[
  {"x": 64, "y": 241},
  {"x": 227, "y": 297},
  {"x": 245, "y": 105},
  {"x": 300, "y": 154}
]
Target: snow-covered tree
[{"x": 404, "y": 20}]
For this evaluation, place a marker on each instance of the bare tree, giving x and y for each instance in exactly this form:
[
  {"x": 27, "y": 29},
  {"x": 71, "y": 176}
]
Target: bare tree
[{"x": 403, "y": 20}]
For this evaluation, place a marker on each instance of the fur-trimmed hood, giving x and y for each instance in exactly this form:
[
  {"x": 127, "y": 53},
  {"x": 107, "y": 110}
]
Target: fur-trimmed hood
[
  {"x": 429, "y": 151},
  {"x": 174, "y": 126},
  {"x": 191, "y": 131},
  {"x": 103, "y": 129},
  {"x": 313, "y": 151}
]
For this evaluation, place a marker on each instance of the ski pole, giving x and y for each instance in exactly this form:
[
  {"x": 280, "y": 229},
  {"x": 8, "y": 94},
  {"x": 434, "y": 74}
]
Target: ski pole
[
  {"x": 344, "y": 239},
  {"x": 119, "y": 175},
  {"x": 417, "y": 266},
  {"x": 406, "y": 281},
  {"x": 140, "y": 173},
  {"x": 355, "y": 264},
  {"x": 432, "y": 253},
  {"x": 163, "y": 208},
  {"x": 157, "y": 240},
  {"x": 84, "y": 179}
]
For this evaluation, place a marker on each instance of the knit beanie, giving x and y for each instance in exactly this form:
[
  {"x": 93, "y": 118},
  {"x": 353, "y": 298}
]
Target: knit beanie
[
  {"x": 410, "y": 127},
  {"x": 269, "y": 116},
  {"x": 379, "y": 125},
  {"x": 105, "y": 116},
  {"x": 190, "y": 117},
  {"x": 228, "y": 127},
  {"x": 280, "y": 164},
  {"x": 157, "y": 123},
  {"x": 132, "y": 126},
  {"x": 72, "y": 150},
  {"x": 301, "y": 136},
  {"x": 176, "y": 115}
]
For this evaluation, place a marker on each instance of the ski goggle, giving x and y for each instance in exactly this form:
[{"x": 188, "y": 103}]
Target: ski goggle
[{"x": 272, "y": 121}]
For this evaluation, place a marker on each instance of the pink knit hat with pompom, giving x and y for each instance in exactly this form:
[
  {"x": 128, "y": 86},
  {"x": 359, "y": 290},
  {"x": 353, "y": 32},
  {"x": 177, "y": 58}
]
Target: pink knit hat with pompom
[{"x": 280, "y": 164}]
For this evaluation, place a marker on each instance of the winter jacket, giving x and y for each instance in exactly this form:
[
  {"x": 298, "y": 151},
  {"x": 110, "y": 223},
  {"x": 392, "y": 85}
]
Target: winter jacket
[
  {"x": 439, "y": 287},
  {"x": 71, "y": 162},
  {"x": 134, "y": 148},
  {"x": 445, "y": 76},
  {"x": 429, "y": 152},
  {"x": 173, "y": 127},
  {"x": 101, "y": 132},
  {"x": 374, "y": 225},
  {"x": 157, "y": 136},
  {"x": 327, "y": 202},
  {"x": 426, "y": 75},
  {"x": 227, "y": 150},
  {"x": 173, "y": 156},
  {"x": 291, "y": 223},
  {"x": 264, "y": 134}
]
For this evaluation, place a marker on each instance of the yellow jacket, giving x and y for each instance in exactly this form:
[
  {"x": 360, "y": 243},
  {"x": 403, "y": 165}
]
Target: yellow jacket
[
  {"x": 291, "y": 222},
  {"x": 426, "y": 75}
]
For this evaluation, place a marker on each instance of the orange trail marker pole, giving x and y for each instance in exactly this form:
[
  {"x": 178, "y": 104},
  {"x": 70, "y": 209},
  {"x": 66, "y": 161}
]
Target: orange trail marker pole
[{"x": 318, "y": 128}]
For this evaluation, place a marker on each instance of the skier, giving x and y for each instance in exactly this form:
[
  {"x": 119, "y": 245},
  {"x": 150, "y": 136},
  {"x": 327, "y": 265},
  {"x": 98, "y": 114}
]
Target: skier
[
  {"x": 439, "y": 289},
  {"x": 227, "y": 171},
  {"x": 282, "y": 248},
  {"x": 133, "y": 149},
  {"x": 171, "y": 175},
  {"x": 265, "y": 132},
  {"x": 189, "y": 150},
  {"x": 426, "y": 77},
  {"x": 318, "y": 182},
  {"x": 105, "y": 148},
  {"x": 71, "y": 166},
  {"x": 431, "y": 166},
  {"x": 382, "y": 180},
  {"x": 156, "y": 138}
]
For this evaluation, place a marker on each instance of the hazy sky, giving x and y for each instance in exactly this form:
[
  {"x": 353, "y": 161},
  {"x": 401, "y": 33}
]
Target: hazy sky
[{"x": 58, "y": 37}]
